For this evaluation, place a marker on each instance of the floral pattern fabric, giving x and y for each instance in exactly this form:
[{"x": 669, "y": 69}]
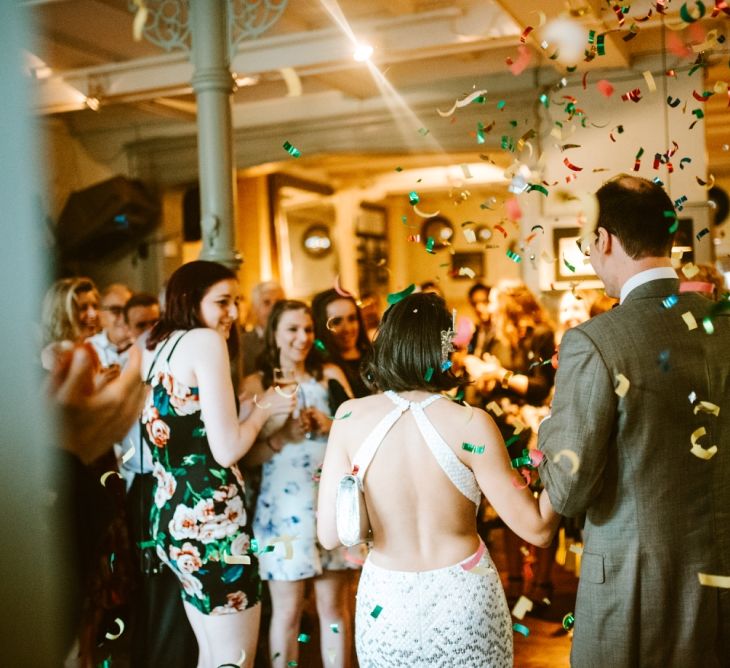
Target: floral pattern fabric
[
  {"x": 198, "y": 521},
  {"x": 284, "y": 522}
]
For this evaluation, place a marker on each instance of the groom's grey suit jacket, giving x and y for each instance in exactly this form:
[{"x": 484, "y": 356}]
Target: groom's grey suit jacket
[{"x": 657, "y": 515}]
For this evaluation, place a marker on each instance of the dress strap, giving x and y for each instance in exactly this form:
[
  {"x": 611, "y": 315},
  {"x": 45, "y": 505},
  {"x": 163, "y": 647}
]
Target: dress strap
[
  {"x": 161, "y": 347},
  {"x": 175, "y": 345},
  {"x": 367, "y": 450},
  {"x": 460, "y": 475}
]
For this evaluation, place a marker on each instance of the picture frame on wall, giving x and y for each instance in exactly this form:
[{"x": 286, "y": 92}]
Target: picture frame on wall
[
  {"x": 570, "y": 264},
  {"x": 473, "y": 260}
]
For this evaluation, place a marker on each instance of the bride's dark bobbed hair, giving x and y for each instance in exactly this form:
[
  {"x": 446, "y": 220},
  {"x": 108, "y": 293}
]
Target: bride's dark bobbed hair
[{"x": 408, "y": 344}]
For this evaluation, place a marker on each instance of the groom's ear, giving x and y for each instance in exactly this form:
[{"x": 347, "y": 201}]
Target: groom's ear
[{"x": 604, "y": 240}]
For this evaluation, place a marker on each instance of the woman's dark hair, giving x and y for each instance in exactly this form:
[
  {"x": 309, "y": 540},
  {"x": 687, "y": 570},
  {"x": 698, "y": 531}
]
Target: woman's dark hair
[
  {"x": 408, "y": 345},
  {"x": 185, "y": 290},
  {"x": 269, "y": 358},
  {"x": 319, "y": 313}
]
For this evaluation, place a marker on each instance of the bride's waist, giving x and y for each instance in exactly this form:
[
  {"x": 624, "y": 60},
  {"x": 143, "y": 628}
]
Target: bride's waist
[{"x": 466, "y": 552}]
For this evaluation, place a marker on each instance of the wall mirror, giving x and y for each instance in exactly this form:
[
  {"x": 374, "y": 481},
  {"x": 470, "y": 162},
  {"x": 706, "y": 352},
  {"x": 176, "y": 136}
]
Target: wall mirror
[{"x": 303, "y": 217}]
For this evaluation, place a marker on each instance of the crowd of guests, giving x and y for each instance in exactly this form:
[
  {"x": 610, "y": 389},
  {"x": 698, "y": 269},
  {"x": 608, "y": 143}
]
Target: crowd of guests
[{"x": 213, "y": 494}]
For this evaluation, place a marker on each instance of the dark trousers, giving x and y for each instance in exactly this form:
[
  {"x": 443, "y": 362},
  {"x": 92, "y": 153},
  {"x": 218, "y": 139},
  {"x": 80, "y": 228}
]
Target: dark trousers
[{"x": 162, "y": 635}]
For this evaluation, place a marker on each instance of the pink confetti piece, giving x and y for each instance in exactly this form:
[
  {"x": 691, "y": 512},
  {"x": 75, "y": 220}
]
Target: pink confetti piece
[{"x": 605, "y": 87}]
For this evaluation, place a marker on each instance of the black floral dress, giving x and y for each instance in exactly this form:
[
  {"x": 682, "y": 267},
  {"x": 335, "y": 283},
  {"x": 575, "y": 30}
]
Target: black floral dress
[{"x": 198, "y": 521}]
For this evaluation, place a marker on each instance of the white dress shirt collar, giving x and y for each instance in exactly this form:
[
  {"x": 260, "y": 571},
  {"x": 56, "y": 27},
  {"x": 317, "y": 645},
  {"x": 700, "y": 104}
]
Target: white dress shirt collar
[{"x": 644, "y": 277}]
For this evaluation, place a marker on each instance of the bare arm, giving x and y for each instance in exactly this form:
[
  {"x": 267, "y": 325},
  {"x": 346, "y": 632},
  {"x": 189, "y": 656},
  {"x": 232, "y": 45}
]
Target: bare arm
[
  {"x": 532, "y": 519},
  {"x": 229, "y": 440},
  {"x": 336, "y": 464}
]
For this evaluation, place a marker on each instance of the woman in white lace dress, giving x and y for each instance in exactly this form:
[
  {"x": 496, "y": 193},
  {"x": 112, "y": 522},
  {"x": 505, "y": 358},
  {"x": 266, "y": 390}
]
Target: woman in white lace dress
[{"x": 429, "y": 594}]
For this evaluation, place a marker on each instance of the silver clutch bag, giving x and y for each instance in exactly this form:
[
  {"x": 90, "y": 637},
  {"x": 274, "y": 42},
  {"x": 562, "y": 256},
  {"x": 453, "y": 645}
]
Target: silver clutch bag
[{"x": 353, "y": 524}]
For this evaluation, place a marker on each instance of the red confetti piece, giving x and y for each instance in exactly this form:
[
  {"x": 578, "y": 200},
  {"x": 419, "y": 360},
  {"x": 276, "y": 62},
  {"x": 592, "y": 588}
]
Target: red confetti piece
[
  {"x": 525, "y": 33},
  {"x": 701, "y": 97},
  {"x": 518, "y": 66},
  {"x": 501, "y": 229},
  {"x": 570, "y": 165},
  {"x": 513, "y": 209},
  {"x": 633, "y": 95},
  {"x": 605, "y": 88}
]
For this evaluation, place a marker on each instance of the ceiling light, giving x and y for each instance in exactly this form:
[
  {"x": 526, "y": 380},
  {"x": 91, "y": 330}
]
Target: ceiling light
[
  {"x": 362, "y": 52},
  {"x": 92, "y": 103}
]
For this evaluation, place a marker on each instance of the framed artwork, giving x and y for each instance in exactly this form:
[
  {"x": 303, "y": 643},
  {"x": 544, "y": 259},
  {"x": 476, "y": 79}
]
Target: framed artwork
[
  {"x": 570, "y": 263},
  {"x": 473, "y": 260}
]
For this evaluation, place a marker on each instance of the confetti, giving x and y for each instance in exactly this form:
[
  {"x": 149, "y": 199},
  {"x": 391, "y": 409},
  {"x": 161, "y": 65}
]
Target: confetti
[
  {"x": 424, "y": 214},
  {"x": 319, "y": 345},
  {"x": 690, "y": 270},
  {"x": 106, "y": 475},
  {"x": 697, "y": 450},
  {"x": 292, "y": 81},
  {"x": 423, "y": 131},
  {"x": 286, "y": 540},
  {"x": 495, "y": 408},
  {"x": 428, "y": 375},
  {"x": 335, "y": 628},
  {"x": 128, "y": 455},
  {"x": 291, "y": 149},
  {"x": 346, "y": 415},
  {"x": 303, "y": 638},
  {"x": 467, "y": 271},
  {"x": 707, "y": 407},
  {"x": 663, "y": 360},
  {"x": 476, "y": 449},
  {"x": 572, "y": 456},
  {"x": 236, "y": 559},
  {"x": 521, "y": 628},
  {"x": 568, "y": 621},
  {"x": 120, "y": 625},
  {"x": 395, "y": 297},
  {"x": 515, "y": 257},
  {"x": 633, "y": 95},
  {"x": 476, "y": 96},
  {"x": 689, "y": 320},
  {"x": 430, "y": 243},
  {"x": 413, "y": 197},
  {"x": 649, "y": 78},
  {"x": 702, "y": 233},
  {"x": 568, "y": 265},
  {"x": 721, "y": 581},
  {"x": 522, "y": 607},
  {"x": 376, "y": 611}
]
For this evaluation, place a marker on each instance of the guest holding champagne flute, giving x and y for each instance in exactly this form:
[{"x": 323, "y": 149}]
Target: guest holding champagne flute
[{"x": 284, "y": 522}]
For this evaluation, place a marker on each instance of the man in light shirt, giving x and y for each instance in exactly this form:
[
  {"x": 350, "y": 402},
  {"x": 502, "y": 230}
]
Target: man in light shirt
[
  {"x": 112, "y": 343},
  {"x": 630, "y": 442}
]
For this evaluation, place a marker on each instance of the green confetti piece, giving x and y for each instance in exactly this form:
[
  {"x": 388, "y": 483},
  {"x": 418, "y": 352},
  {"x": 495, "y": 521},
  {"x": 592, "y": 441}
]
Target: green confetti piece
[
  {"x": 413, "y": 197},
  {"x": 600, "y": 44},
  {"x": 428, "y": 375},
  {"x": 334, "y": 628},
  {"x": 536, "y": 186},
  {"x": 501, "y": 104},
  {"x": 687, "y": 17},
  {"x": 568, "y": 265},
  {"x": 292, "y": 664},
  {"x": 511, "y": 440},
  {"x": 545, "y": 100},
  {"x": 480, "y": 133},
  {"x": 145, "y": 544},
  {"x": 699, "y": 113},
  {"x": 399, "y": 169},
  {"x": 319, "y": 345},
  {"x": 422, "y": 131},
  {"x": 303, "y": 637},
  {"x": 430, "y": 243},
  {"x": 568, "y": 621},
  {"x": 521, "y": 628},
  {"x": 476, "y": 449},
  {"x": 395, "y": 297},
  {"x": 291, "y": 149},
  {"x": 707, "y": 325},
  {"x": 515, "y": 257},
  {"x": 346, "y": 415},
  {"x": 376, "y": 611},
  {"x": 268, "y": 548}
]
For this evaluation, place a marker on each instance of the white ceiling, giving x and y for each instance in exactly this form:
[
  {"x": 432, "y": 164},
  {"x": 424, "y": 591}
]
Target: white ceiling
[{"x": 431, "y": 52}]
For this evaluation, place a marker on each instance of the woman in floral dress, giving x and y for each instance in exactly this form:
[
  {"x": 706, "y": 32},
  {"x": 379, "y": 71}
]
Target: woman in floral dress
[
  {"x": 198, "y": 523},
  {"x": 284, "y": 522}
]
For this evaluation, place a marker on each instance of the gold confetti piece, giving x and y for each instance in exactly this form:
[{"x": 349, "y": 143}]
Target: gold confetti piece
[
  {"x": 140, "y": 18},
  {"x": 697, "y": 450},
  {"x": 287, "y": 541},
  {"x": 649, "y": 78},
  {"x": 690, "y": 270},
  {"x": 120, "y": 625},
  {"x": 465, "y": 170},
  {"x": 493, "y": 406},
  {"x": 292, "y": 81},
  {"x": 623, "y": 385},
  {"x": 281, "y": 392},
  {"x": 104, "y": 477},
  {"x": 462, "y": 103},
  {"x": 424, "y": 214},
  {"x": 722, "y": 581},
  {"x": 128, "y": 455},
  {"x": 707, "y": 407},
  {"x": 331, "y": 655},
  {"x": 481, "y": 569},
  {"x": 546, "y": 258},
  {"x": 576, "y": 548},
  {"x": 522, "y": 607},
  {"x": 689, "y": 319},
  {"x": 519, "y": 426},
  {"x": 467, "y": 271},
  {"x": 237, "y": 559},
  {"x": 572, "y": 456},
  {"x": 470, "y": 235}
]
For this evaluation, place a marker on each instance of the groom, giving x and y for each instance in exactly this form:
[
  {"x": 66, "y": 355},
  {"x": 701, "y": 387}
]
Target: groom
[{"x": 630, "y": 442}]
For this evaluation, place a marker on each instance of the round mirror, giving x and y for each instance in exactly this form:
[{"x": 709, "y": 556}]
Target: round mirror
[
  {"x": 440, "y": 230},
  {"x": 316, "y": 241}
]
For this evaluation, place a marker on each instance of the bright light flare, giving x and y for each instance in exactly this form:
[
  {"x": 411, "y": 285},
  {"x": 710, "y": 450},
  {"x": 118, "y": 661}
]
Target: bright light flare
[{"x": 362, "y": 52}]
